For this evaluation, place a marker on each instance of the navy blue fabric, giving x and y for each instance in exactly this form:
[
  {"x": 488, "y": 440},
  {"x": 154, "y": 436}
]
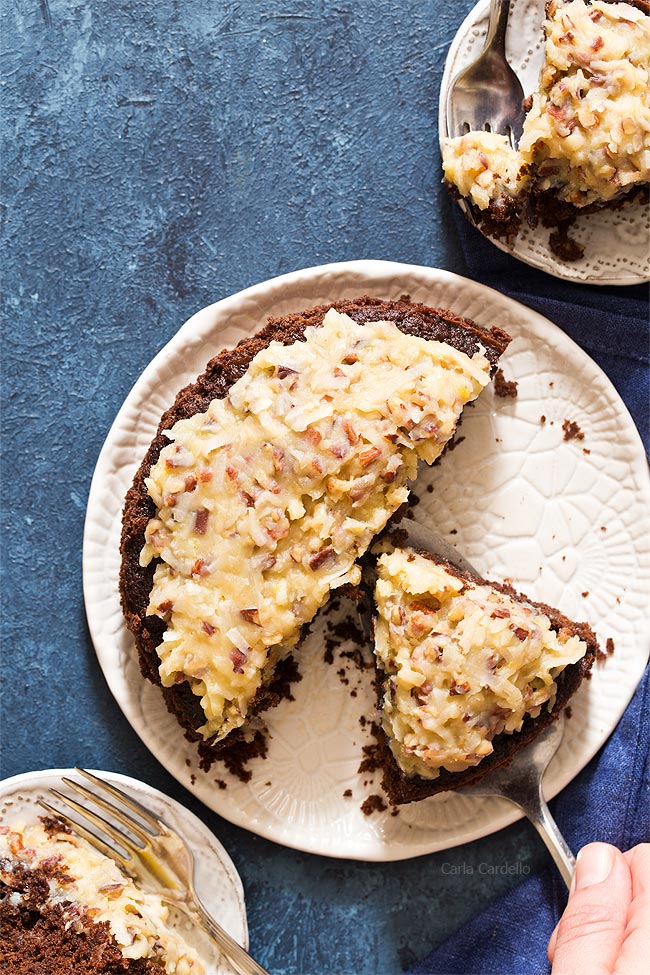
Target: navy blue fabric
[
  {"x": 610, "y": 324},
  {"x": 610, "y": 799}
]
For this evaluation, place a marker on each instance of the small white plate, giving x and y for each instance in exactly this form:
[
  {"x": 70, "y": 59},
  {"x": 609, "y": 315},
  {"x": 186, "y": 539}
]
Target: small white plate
[
  {"x": 615, "y": 241},
  {"x": 216, "y": 879},
  {"x": 559, "y": 518}
]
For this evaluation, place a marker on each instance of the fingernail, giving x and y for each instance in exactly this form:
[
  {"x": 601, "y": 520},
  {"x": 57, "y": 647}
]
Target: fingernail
[{"x": 594, "y": 864}]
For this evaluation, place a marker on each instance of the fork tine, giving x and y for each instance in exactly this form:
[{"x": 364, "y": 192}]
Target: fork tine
[
  {"x": 110, "y": 808},
  {"x": 132, "y": 804},
  {"x": 86, "y": 834},
  {"x": 115, "y": 834}
]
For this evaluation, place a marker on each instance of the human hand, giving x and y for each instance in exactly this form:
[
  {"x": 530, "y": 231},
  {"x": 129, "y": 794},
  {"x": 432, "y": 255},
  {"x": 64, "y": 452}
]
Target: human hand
[{"x": 605, "y": 928}]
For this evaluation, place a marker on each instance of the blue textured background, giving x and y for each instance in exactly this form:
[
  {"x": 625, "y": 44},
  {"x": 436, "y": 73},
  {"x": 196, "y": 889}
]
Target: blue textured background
[{"x": 159, "y": 156}]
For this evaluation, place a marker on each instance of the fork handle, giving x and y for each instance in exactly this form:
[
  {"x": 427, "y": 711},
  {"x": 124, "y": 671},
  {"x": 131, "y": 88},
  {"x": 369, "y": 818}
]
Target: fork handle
[
  {"x": 497, "y": 24},
  {"x": 531, "y": 800},
  {"x": 238, "y": 957}
]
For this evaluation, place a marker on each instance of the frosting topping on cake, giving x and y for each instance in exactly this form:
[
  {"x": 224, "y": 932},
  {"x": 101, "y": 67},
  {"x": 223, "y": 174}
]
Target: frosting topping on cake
[
  {"x": 588, "y": 131},
  {"x": 88, "y": 887},
  {"x": 463, "y": 662},
  {"x": 483, "y": 166},
  {"x": 265, "y": 501}
]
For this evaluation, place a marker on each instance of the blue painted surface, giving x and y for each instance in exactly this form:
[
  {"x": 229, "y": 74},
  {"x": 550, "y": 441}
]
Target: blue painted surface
[{"x": 159, "y": 156}]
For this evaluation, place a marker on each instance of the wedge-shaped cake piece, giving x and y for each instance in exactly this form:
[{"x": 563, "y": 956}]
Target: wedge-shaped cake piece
[
  {"x": 66, "y": 908},
  {"x": 470, "y": 671},
  {"x": 269, "y": 479}
]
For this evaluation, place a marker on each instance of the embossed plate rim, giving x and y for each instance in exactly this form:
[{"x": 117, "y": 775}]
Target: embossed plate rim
[
  {"x": 518, "y": 46},
  {"x": 211, "y": 857},
  {"x": 301, "y": 289}
]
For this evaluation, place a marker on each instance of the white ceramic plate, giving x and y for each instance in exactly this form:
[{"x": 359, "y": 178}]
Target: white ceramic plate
[
  {"x": 616, "y": 241},
  {"x": 559, "y": 518},
  {"x": 217, "y": 880}
]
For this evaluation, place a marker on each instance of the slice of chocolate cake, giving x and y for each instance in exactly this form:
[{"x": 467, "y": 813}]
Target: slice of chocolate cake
[
  {"x": 586, "y": 138},
  {"x": 67, "y": 910},
  {"x": 267, "y": 480},
  {"x": 470, "y": 671}
]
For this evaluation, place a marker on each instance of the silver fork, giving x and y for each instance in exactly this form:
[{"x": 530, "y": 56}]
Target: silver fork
[
  {"x": 148, "y": 850},
  {"x": 521, "y": 781},
  {"x": 488, "y": 94}
]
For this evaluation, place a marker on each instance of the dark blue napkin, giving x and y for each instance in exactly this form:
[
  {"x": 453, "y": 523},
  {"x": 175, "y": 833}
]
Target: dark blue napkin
[
  {"x": 610, "y": 324},
  {"x": 610, "y": 799}
]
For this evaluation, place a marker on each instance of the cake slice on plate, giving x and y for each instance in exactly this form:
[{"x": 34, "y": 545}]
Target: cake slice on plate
[
  {"x": 65, "y": 909},
  {"x": 470, "y": 671}
]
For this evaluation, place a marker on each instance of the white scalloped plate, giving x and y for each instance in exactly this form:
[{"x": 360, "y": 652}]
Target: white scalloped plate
[
  {"x": 559, "y": 520},
  {"x": 615, "y": 241},
  {"x": 216, "y": 878}
]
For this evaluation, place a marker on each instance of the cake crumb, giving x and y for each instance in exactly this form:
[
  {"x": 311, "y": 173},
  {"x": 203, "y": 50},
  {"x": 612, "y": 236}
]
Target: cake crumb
[
  {"x": 220, "y": 783},
  {"x": 572, "y": 431},
  {"x": 603, "y": 528},
  {"x": 542, "y": 419},
  {"x": 372, "y": 804},
  {"x": 585, "y": 450},
  {"x": 585, "y": 593},
  {"x": 504, "y": 387},
  {"x": 609, "y": 646},
  {"x": 347, "y": 793},
  {"x": 568, "y": 711},
  {"x": 429, "y": 488}
]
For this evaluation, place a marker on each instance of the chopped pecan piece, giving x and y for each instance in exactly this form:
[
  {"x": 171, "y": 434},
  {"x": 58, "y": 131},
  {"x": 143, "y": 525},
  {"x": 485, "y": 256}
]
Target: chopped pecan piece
[
  {"x": 367, "y": 456},
  {"x": 320, "y": 558},
  {"x": 201, "y": 521},
  {"x": 284, "y": 371},
  {"x": 200, "y": 568},
  {"x": 457, "y": 689},
  {"x": 350, "y": 432},
  {"x": 314, "y": 436},
  {"x": 251, "y": 615},
  {"x": 238, "y": 658}
]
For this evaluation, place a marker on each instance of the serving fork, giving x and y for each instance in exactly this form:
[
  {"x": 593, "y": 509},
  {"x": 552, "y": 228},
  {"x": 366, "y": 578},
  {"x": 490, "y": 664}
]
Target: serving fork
[
  {"x": 149, "y": 851},
  {"x": 488, "y": 94}
]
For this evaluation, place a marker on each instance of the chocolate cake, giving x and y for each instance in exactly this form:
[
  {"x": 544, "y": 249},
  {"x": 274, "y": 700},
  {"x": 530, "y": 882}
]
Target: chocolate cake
[
  {"x": 340, "y": 400},
  {"x": 67, "y": 910},
  {"x": 586, "y": 138},
  {"x": 469, "y": 672}
]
